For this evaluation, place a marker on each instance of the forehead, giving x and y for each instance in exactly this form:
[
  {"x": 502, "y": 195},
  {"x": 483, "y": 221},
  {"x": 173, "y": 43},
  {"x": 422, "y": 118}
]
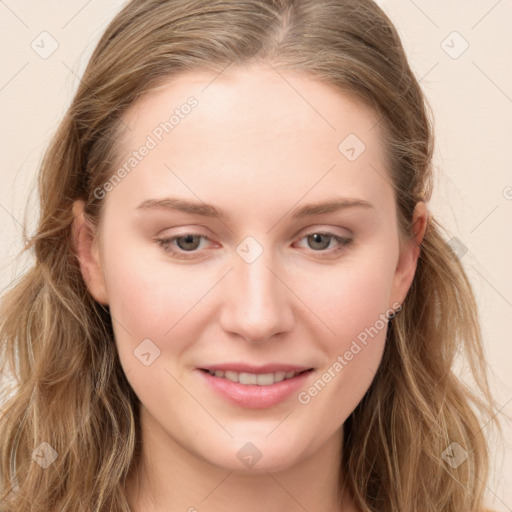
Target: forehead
[
  {"x": 256, "y": 105},
  {"x": 255, "y": 128}
]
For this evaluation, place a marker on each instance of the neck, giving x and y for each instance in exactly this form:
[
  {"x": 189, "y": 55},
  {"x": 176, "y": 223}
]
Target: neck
[{"x": 173, "y": 478}]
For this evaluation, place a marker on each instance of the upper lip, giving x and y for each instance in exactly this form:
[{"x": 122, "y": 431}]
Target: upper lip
[{"x": 248, "y": 368}]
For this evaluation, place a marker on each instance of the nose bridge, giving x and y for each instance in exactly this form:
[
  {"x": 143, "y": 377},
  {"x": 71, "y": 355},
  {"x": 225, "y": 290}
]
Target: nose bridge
[{"x": 257, "y": 304}]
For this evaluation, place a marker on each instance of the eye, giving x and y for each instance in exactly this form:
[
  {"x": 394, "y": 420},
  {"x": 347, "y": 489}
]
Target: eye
[
  {"x": 187, "y": 243},
  {"x": 319, "y": 241}
]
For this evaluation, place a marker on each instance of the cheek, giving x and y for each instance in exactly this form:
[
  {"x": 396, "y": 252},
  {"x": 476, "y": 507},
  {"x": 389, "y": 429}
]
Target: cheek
[
  {"x": 351, "y": 297},
  {"x": 151, "y": 300},
  {"x": 355, "y": 308},
  {"x": 149, "y": 293},
  {"x": 353, "y": 303},
  {"x": 151, "y": 307}
]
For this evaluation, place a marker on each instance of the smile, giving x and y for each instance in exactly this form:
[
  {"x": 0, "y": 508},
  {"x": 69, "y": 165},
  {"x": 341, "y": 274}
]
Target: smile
[
  {"x": 260, "y": 379},
  {"x": 255, "y": 390}
]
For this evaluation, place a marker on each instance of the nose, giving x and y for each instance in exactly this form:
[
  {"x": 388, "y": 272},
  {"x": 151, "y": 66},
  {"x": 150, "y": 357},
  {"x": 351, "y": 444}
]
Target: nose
[{"x": 257, "y": 303}]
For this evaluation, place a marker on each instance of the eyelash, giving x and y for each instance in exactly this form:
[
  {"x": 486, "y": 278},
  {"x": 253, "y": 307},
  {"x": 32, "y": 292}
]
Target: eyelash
[{"x": 169, "y": 248}]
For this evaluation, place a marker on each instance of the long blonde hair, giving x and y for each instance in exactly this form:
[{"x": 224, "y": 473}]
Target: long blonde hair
[{"x": 56, "y": 340}]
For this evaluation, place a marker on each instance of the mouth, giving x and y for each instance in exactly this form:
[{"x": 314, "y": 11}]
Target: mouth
[
  {"x": 255, "y": 387},
  {"x": 258, "y": 379}
]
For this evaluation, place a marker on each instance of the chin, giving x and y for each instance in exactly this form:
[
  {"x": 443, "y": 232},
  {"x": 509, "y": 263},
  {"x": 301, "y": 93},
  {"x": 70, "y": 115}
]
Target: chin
[{"x": 255, "y": 456}]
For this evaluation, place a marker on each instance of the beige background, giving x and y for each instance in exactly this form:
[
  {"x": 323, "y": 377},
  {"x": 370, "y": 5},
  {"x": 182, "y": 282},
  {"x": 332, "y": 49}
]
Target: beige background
[{"x": 470, "y": 93}]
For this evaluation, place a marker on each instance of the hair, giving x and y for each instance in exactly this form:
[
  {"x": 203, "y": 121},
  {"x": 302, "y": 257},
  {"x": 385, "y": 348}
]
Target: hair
[{"x": 57, "y": 342}]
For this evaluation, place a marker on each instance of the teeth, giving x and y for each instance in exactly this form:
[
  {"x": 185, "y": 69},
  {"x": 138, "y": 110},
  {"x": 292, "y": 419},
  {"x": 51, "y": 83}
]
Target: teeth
[
  {"x": 261, "y": 379},
  {"x": 247, "y": 378},
  {"x": 231, "y": 376},
  {"x": 265, "y": 379},
  {"x": 279, "y": 376}
]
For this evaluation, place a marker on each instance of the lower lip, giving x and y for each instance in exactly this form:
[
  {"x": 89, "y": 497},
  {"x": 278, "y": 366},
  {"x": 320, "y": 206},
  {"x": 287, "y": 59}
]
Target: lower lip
[{"x": 252, "y": 396}]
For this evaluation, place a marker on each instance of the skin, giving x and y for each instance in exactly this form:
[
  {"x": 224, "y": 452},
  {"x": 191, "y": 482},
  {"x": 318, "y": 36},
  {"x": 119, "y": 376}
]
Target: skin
[{"x": 257, "y": 148}]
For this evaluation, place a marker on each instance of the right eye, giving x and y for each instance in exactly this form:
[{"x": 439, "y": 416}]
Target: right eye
[{"x": 180, "y": 245}]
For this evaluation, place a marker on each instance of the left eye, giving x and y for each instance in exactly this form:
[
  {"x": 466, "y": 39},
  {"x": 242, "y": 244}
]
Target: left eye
[
  {"x": 315, "y": 238},
  {"x": 189, "y": 243}
]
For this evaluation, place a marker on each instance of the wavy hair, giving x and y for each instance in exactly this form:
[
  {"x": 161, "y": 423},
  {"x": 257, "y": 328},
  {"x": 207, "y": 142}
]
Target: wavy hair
[{"x": 69, "y": 388}]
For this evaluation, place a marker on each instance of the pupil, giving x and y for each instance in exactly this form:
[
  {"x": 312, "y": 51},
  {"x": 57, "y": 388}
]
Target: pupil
[
  {"x": 317, "y": 237},
  {"x": 188, "y": 240}
]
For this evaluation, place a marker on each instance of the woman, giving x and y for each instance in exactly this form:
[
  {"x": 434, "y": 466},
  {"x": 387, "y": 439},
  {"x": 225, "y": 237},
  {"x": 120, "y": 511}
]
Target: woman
[{"x": 240, "y": 299}]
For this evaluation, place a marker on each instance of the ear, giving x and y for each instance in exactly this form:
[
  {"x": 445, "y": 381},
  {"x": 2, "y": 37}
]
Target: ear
[
  {"x": 86, "y": 249},
  {"x": 408, "y": 260}
]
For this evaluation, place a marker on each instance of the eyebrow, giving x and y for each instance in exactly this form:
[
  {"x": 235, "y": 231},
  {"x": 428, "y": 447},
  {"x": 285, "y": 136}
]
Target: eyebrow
[{"x": 209, "y": 210}]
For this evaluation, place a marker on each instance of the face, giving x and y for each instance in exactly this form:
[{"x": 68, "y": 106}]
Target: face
[{"x": 211, "y": 256}]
